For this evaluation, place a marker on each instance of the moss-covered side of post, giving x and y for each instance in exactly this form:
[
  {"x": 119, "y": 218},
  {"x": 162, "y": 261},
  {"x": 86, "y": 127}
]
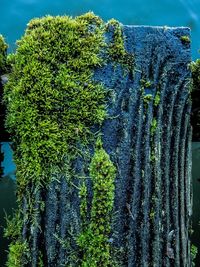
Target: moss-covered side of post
[
  {"x": 100, "y": 119},
  {"x": 52, "y": 103}
]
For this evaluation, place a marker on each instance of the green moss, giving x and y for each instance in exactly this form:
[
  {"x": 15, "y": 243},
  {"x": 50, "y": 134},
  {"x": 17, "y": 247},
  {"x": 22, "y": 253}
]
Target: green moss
[
  {"x": 157, "y": 99},
  {"x": 153, "y": 145},
  {"x": 52, "y": 103},
  {"x": 185, "y": 39},
  {"x": 195, "y": 69},
  {"x": 145, "y": 83},
  {"x": 14, "y": 226},
  {"x": 116, "y": 50},
  {"x": 17, "y": 250},
  {"x": 94, "y": 240},
  {"x": 152, "y": 215},
  {"x": 83, "y": 205},
  {"x": 193, "y": 252},
  {"x": 3, "y": 51},
  {"x": 153, "y": 126},
  {"x": 147, "y": 98},
  {"x": 51, "y": 98},
  {"x": 40, "y": 261}
]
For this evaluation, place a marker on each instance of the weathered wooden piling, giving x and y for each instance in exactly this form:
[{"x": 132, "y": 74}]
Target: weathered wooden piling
[{"x": 118, "y": 194}]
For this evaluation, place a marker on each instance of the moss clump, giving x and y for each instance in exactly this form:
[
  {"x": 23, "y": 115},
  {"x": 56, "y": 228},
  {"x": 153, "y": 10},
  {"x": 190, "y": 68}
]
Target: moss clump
[
  {"x": 157, "y": 99},
  {"x": 145, "y": 83},
  {"x": 152, "y": 131},
  {"x": 185, "y": 39},
  {"x": 195, "y": 69},
  {"x": 51, "y": 98},
  {"x": 193, "y": 252},
  {"x": 52, "y": 102},
  {"x": 3, "y": 51},
  {"x": 14, "y": 226},
  {"x": 17, "y": 250},
  {"x": 94, "y": 240},
  {"x": 153, "y": 126},
  {"x": 83, "y": 205},
  {"x": 116, "y": 49},
  {"x": 147, "y": 98}
]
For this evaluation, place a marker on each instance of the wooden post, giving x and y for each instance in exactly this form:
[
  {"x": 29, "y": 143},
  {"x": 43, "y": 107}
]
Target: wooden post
[{"x": 144, "y": 143}]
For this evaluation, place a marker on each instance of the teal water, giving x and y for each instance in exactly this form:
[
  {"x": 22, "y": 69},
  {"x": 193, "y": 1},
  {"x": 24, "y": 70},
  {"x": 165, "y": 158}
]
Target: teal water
[{"x": 15, "y": 14}]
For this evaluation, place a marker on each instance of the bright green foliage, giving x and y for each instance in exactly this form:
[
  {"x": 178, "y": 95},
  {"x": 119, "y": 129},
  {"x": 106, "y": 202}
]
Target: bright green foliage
[
  {"x": 145, "y": 83},
  {"x": 147, "y": 98},
  {"x": 94, "y": 240},
  {"x": 17, "y": 250},
  {"x": 157, "y": 99},
  {"x": 14, "y": 226},
  {"x": 3, "y": 50},
  {"x": 40, "y": 263},
  {"x": 195, "y": 68},
  {"x": 52, "y": 103},
  {"x": 153, "y": 126},
  {"x": 185, "y": 39},
  {"x": 117, "y": 51},
  {"x": 83, "y": 205},
  {"x": 194, "y": 252},
  {"x": 51, "y": 98},
  {"x": 153, "y": 145}
]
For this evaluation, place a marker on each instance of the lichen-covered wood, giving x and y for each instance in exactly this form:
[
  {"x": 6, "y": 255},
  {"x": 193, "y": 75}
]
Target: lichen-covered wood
[
  {"x": 149, "y": 137},
  {"x": 100, "y": 117}
]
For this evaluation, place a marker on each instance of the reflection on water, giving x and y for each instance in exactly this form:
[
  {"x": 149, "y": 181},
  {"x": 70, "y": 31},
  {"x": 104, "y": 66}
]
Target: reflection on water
[{"x": 196, "y": 197}]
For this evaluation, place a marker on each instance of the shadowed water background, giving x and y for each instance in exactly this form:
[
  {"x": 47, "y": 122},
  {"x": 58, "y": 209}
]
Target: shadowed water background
[{"x": 15, "y": 14}]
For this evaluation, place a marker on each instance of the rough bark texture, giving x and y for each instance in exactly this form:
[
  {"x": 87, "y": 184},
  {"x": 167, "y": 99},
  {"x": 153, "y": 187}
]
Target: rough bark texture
[
  {"x": 149, "y": 142},
  {"x": 153, "y": 198}
]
